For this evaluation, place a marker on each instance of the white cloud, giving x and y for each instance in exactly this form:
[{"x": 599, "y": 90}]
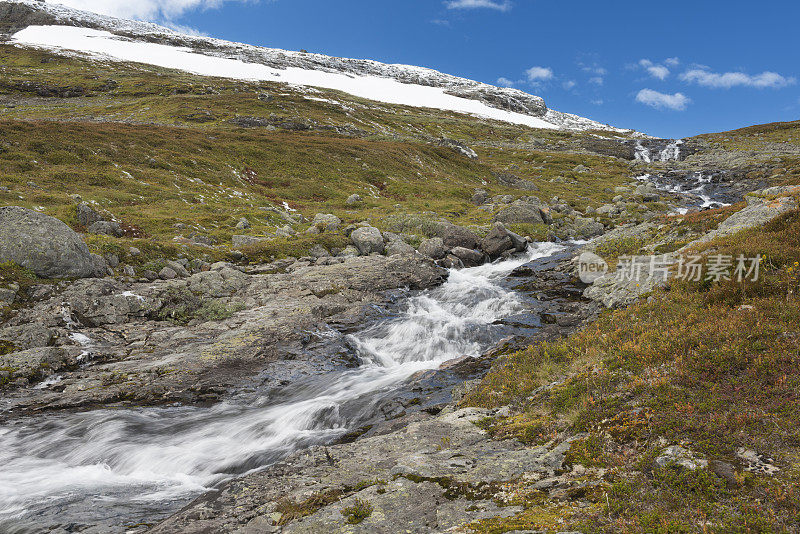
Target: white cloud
[
  {"x": 657, "y": 100},
  {"x": 505, "y": 82},
  {"x": 569, "y": 84},
  {"x": 656, "y": 71},
  {"x": 539, "y": 74},
  {"x": 597, "y": 80},
  {"x": 705, "y": 77},
  {"x": 141, "y": 9},
  {"x": 505, "y": 5},
  {"x": 672, "y": 61},
  {"x": 598, "y": 102}
]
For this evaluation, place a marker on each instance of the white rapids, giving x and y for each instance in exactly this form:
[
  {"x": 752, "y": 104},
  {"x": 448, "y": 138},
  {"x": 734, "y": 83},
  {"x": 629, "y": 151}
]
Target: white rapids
[{"x": 117, "y": 465}]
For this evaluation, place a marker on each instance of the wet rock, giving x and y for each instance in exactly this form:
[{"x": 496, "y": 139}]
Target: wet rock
[
  {"x": 368, "y": 240},
  {"x": 433, "y": 248},
  {"x": 468, "y": 257},
  {"x": 451, "y": 261},
  {"x": 44, "y": 245},
  {"x": 497, "y": 241},
  {"x": 422, "y": 465}
]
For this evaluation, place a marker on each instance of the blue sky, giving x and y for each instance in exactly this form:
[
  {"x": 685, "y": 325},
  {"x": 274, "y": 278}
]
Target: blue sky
[{"x": 670, "y": 69}]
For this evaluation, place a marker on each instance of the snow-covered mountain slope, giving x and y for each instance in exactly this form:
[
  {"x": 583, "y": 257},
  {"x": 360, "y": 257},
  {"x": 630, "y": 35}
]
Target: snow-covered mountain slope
[{"x": 33, "y": 23}]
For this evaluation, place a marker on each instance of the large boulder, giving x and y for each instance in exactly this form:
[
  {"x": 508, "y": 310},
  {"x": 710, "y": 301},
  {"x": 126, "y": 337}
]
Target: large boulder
[
  {"x": 584, "y": 228},
  {"x": 433, "y": 248},
  {"x": 368, "y": 240},
  {"x": 45, "y": 245},
  {"x": 526, "y": 212},
  {"x": 457, "y": 236},
  {"x": 327, "y": 222},
  {"x": 497, "y": 241},
  {"x": 398, "y": 246},
  {"x": 468, "y": 256}
]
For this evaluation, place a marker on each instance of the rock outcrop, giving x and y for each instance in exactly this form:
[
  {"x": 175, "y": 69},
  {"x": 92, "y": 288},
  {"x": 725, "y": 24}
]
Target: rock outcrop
[{"x": 45, "y": 245}]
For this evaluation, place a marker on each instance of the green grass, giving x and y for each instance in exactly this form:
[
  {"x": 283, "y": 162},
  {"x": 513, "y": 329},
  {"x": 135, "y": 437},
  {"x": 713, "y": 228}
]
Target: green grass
[
  {"x": 714, "y": 366},
  {"x": 358, "y": 511}
]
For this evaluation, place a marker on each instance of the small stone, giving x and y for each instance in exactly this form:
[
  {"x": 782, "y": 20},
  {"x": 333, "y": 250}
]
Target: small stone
[
  {"x": 354, "y": 199},
  {"x": 243, "y": 224}
]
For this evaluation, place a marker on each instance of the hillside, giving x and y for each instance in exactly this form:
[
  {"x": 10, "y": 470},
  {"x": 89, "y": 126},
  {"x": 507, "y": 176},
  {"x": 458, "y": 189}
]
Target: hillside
[{"x": 252, "y": 290}]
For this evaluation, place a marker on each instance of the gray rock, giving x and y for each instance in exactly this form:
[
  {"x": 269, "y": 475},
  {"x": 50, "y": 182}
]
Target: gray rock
[
  {"x": 433, "y": 248},
  {"x": 458, "y": 147},
  {"x": 354, "y": 200},
  {"x": 178, "y": 268},
  {"x": 349, "y": 252},
  {"x": 523, "y": 212},
  {"x": 368, "y": 240},
  {"x": 129, "y": 271},
  {"x": 398, "y": 246},
  {"x": 36, "y": 364},
  {"x": 7, "y": 296},
  {"x": 468, "y": 257},
  {"x": 457, "y": 236},
  {"x": 43, "y": 244},
  {"x": 87, "y": 215},
  {"x": 520, "y": 243},
  {"x": 676, "y": 456},
  {"x": 479, "y": 197},
  {"x": 581, "y": 169},
  {"x": 243, "y": 224},
  {"x": 583, "y": 228},
  {"x": 105, "y": 228},
  {"x": 607, "y": 209},
  {"x": 503, "y": 199},
  {"x": 167, "y": 274},
  {"x": 239, "y": 241},
  {"x": 318, "y": 251},
  {"x": 112, "y": 260},
  {"x": 497, "y": 241},
  {"x": 28, "y": 336},
  {"x": 326, "y": 222}
]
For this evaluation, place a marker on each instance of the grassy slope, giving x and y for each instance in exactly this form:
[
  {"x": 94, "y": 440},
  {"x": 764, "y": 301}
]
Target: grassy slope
[
  {"x": 157, "y": 147},
  {"x": 713, "y": 367}
]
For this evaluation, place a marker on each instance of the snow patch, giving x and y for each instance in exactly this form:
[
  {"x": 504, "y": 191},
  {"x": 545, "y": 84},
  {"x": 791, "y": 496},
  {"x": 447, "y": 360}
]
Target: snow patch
[{"x": 105, "y": 45}]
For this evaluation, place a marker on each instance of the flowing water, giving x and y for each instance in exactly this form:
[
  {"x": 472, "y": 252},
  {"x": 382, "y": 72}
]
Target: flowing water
[
  {"x": 699, "y": 190},
  {"x": 117, "y": 467}
]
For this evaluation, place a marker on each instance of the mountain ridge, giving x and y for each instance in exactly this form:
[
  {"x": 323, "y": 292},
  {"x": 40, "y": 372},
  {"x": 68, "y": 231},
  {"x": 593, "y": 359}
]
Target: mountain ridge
[{"x": 19, "y": 18}]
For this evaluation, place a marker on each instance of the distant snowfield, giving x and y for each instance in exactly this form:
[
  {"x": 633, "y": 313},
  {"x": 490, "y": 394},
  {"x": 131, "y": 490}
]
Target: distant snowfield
[{"x": 105, "y": 45}]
